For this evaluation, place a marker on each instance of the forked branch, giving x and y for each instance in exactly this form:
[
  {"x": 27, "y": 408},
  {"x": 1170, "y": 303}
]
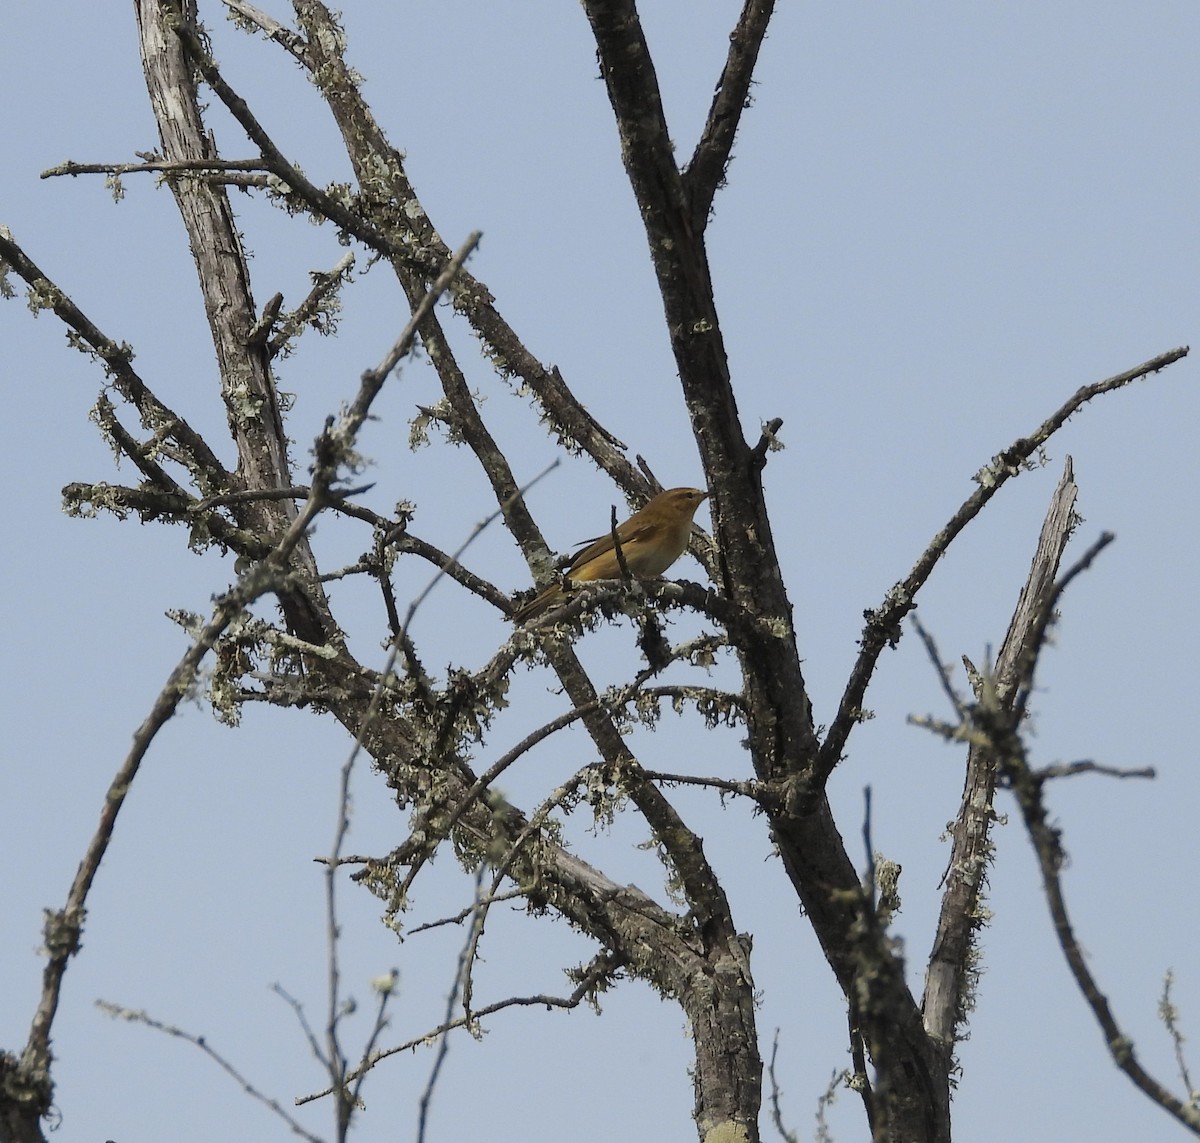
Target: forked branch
[{"x": 883, "y": 624}]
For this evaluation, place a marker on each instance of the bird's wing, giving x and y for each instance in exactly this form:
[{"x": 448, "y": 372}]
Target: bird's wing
[
  {"x": 595, "y": 547},
  {"x": 631, "y": 531}
]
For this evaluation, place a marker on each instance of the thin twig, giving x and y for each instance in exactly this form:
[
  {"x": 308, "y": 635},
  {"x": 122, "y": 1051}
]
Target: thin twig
[
  {"x": 325, "y": 282},
  {"x": 943, "y": 675},
  {"x": 1070, "y": 769},
  {"x": 870, "y": 848},
  {"x": 164, "y": 166},
  {"x": 750, "y": 788},
  {"x": 386, "y": 988},
  {"x": 1048, "y": 850},
  {"x": 824, "y": 1101},
  {"x": 1041, "y": 625},
  {"x": 371, "y": 383},
  {"x": 776, "y": 1094},
  {"x": 1169, "y": 1015},
  {"x": 202, "y": 1043},
  {"x": 462, "y": 972},
  {"x": 336, "y": 1060},
  {"x": 372, "y": 380},
  {"x": 63, "y": 927},
  {"x": 601, "y": 967},
  {"x": 302, "y": 1019},
  {"x": 463, "y": 914}
]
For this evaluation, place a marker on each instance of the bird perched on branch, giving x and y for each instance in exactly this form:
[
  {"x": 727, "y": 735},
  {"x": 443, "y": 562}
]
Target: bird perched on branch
[{"x": 651, "y": 541}]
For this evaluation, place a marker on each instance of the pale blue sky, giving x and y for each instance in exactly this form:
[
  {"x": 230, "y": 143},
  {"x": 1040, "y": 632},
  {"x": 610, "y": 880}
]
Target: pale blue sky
[{"x": 941, "y": 220}]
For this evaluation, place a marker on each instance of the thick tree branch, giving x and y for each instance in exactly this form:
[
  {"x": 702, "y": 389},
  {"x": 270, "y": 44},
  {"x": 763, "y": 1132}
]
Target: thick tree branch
[
  {"x": 537, "y": 865},
  {"x": 323, "y": 203},
  {"x": 247, "y": 387},
  {"x": 951, "y": 972},
  {"x": 705, "y": 172},
  {"x": 782, "y": 736}
]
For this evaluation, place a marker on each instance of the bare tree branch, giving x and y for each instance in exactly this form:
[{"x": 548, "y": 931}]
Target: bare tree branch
[
  {"x": 461, "y": 975},
  {"x": 202, "y": 462},
  {"x": 424, "y": 725},
  {"x": 883, "y": 624},
  {"x": 997, "y": 717},
  {"x": 951, "y": 972},
  {"x": 1070, "y": 769},
  {"x": 119, "y": 1013},
  {"x": 160, "y": 166},
  {"x": 64, "y": 926},
  {"x": 705, "y": 172},
  {"x": 1170, "y": 1018},
  {"x": 601, "y": 968}
]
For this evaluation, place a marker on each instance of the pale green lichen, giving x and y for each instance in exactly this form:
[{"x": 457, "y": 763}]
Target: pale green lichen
[
  {"x": 115, "y": 184},
  {"x": 777, "y": 628},
  {"x": 728, "y": 1132},
  {"x": 42, "y": 294},
  {"x": 244, "y": 404},
  {"x": 1001, "y": 468}
]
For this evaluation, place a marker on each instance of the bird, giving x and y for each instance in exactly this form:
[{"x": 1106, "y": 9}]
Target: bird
[{"x": 652, "y": 539}]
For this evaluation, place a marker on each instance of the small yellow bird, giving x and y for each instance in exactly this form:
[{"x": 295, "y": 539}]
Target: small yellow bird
[{"x": 651, "y": 541}]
